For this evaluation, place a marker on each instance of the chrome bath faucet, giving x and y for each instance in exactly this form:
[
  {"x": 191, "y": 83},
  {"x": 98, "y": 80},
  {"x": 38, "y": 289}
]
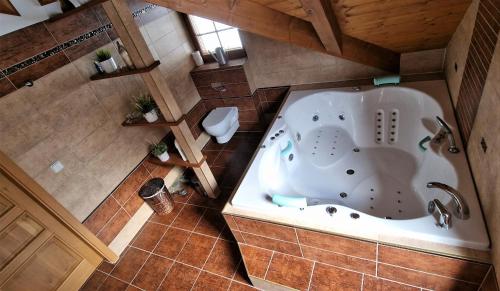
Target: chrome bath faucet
[
  {"x": 445, "y": 131},
  {"x": 460, "y": 208},
  {"x": 444, "y": 215}
]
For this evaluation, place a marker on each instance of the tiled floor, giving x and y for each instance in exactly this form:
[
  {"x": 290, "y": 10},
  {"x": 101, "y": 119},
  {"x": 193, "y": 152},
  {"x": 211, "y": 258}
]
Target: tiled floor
[{"x": 191, "y": 248}]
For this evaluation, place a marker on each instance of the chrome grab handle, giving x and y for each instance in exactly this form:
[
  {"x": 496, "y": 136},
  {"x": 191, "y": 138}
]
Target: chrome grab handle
[
  {"x": 444, "y": 215},
  {"x": 446, "y": 130},
  {"x": 461, "y": 210}
]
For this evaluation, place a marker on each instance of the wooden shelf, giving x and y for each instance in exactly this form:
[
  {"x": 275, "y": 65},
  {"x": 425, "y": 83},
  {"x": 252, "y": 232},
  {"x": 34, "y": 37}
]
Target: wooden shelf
[
  {"x": 125, "y": 72},
  {"x": 176, "y": 160},
  {"x": 160, "y": 122},
  {"x": 76, "y": 10}
]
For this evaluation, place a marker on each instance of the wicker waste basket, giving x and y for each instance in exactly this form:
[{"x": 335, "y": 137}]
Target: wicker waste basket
[{"x": 156, "y": 195}]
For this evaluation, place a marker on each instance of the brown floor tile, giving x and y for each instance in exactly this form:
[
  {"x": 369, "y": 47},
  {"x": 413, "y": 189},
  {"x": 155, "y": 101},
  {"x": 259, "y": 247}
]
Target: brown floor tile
[
  {"x": 132, "y": 288},
  {"x": 167, "y": 218},
  {"x": 330, "y": 278},
  {"x": 207, "y": 281},
  {"x": 104, "y": 212},
  {"x": 338, "y": 244},
  {"x": 172, "y": 242},
  {"x": 272, "y": 244},
  {"x": 339, "y": 260},
  {"x": 236, "y": 286},
  {"x": 197, "y": 250},
  {"x": 106, "y": 266},
  {"x": 211, "y": 156},
  {"x": 201, "y": 200},
  {"x": 241, "y": 274},
  {"x": 112, "y": 284},
  {"x": 230, "y": 222},
  {"x": 266, "y": 229},
  {"x": 440, "y": 265},
  {"x": 188, "y": 217},
  {"x": 213, "y": 146},
  {"x": 153, "y": 272},
  {"x": 130, "y": 264},
  {"x": 181, "y": 277},
  {"x": 224, "y": 259},
  {"x": 256, "y": 260},
  {"x": 290, "y": 271},
  {"x": 184, "y": 198},
  {"x": 227, "y": 234},
  {"x": 423, "y": 280},
  {"x": 114, "y": 226},
  {"x": 371, "y": 283},
  {"x": 490, "y": 282},
  {"x": 212, "y": 223},
  {"x": 243, "y": 144},
  {"x": 224, "y": 159},
  {"x": 131, "y": 184},
  {"x": 149, "y": 236},
  {"x": 94, "y": 282},
  {"x": 133, "y": 204}
]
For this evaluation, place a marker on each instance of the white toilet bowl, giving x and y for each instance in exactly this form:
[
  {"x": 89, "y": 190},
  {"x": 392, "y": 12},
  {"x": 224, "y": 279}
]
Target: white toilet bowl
[{"x": 222, "y": 123}]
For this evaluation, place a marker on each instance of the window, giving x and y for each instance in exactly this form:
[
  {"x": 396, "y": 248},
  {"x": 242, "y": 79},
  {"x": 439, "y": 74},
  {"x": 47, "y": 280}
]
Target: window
[{"x": 211, "y": 34}]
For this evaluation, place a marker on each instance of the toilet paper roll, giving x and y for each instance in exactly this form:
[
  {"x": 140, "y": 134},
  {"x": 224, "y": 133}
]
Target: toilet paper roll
[{"x": 198, "y": 60}]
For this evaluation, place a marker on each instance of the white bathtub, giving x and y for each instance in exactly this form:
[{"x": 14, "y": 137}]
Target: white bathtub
[{"x": 362, "y": 153}]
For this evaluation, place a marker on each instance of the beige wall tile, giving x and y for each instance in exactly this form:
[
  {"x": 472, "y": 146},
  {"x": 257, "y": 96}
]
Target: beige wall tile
[
  {"x": 486, "y": 165},
  {"x": 273, "y": 63},
  {"x": 66, "y": 117},
  {"x": 457, "y": 50},
  {"x": 429, "y": 61}
]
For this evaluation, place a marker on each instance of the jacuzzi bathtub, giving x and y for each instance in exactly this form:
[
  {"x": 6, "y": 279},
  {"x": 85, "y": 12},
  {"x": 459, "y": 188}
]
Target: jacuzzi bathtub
[{"x": 358, "y": 151}]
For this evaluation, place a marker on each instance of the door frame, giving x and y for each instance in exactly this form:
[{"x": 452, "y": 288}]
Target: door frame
[{"x": 36, "y": 192}]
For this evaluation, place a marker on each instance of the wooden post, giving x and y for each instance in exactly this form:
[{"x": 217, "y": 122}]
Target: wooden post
[{"x": 124, "y": 24}]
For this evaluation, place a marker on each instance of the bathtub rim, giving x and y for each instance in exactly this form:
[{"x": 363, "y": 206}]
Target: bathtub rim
[{"x": 483, "y": 256}]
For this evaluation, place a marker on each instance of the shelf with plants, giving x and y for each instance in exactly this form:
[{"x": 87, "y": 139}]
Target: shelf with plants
[
  {"x": 146, "y": 113},
  {"x": 124, "y": 72},
  {"x": 140, "y": 121},
  {"x": 161, "y": 156},
  {"x": 176, "y": 160}
]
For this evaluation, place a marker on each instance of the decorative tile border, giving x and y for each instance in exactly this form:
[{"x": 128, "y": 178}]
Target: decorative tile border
[{"x": 48, "y": 53}]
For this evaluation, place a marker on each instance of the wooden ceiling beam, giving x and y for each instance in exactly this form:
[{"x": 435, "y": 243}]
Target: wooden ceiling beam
[
  {"x": 256, "y": 18},
  {"x": 323, "y": 19}
]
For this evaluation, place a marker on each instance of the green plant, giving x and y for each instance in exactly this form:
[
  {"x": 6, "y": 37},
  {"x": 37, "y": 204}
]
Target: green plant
[
  {"x": 103, "y": 55},
  {"x": 144, "y": 103},
  {"x": 158, "y": 148}
]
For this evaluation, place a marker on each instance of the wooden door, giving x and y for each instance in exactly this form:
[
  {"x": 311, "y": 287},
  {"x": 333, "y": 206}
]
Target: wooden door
[{"x": 39, "y": 250}]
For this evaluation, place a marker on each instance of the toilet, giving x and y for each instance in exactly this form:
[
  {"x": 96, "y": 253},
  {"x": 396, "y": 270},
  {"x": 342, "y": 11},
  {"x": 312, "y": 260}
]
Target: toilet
[{"x": 222, "y": 123}]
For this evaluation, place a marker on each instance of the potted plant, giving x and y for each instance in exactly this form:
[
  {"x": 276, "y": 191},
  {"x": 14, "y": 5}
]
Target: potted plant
[
  {"x": 106, "y": 61},
  {"x": 159, "y": 150},
  {"x": 145, "y": 104}
]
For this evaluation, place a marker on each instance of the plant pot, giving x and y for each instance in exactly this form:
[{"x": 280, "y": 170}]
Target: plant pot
[
  {"x": 151, "y": 116},
  {"x": 163, "y": 157},
  {"x": 109, "y": 66}
]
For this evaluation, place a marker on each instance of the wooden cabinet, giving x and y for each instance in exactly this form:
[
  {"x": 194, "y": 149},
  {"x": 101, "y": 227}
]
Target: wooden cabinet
[
  {"x": 41, "y": 248},
  {"x": 213, "y": 81}
]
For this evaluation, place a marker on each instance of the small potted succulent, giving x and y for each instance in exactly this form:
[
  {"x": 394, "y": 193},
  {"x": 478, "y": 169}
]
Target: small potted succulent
[
  {"x": 159, "y": 150},
  {"x": 145, "y": 104},
  {"x": 106, "y": 61}
]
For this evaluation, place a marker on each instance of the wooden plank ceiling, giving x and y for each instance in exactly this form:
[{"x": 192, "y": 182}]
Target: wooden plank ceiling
[
  {"x": 371, "y": 32},
  {"x": 398, "y": 25}
]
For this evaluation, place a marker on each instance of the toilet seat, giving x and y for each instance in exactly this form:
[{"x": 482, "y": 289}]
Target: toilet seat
[
  {"x": 222, "y": 123},
  {"x": 219, "y": 115}
]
